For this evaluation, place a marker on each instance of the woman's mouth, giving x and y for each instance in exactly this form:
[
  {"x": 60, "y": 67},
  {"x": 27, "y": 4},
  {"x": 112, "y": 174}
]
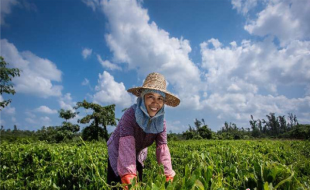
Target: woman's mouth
[{"x": 154, "y": 109}]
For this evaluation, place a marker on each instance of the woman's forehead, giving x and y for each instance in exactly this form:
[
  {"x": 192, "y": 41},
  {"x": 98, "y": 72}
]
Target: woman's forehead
[{"x": 154, "y": 94}]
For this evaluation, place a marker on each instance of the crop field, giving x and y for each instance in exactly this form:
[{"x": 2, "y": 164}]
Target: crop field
[{"x": 257, "y": 164}]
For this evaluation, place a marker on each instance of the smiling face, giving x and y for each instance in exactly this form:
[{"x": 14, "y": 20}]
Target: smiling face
[{"x": 153, "y": 103}]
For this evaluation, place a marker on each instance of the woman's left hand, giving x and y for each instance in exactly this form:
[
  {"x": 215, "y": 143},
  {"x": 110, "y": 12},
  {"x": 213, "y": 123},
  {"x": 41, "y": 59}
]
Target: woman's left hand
[{"x": 169, "y": 178}]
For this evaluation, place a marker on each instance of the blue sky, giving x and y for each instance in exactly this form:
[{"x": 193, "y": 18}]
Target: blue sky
[{"x": 225, "y": 60}]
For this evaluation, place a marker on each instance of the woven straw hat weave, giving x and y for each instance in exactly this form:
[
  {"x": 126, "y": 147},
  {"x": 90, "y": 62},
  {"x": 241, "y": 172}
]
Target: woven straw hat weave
[{"x": 156, "y": 81}]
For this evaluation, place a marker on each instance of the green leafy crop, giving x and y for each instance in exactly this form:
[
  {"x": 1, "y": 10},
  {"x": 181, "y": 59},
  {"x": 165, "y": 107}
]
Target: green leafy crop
[{"x": 262, "y": 164}]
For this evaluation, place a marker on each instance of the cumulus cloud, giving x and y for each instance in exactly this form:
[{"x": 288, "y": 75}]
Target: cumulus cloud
[
  {"x": 251, "y": 65},
  {"x": 107, "y": 64},
  {"x": 36, "y": 74},
  {"x": 143, "y": 46},
  {"x": 231, "y": 77},
  {"x": 45, "y": 109},
  {"x": 111, "y": 92},
  {"x": 86, "y": 52},
  {"x": 287, "y": 20},
  {"x": 235, "y": 74}
]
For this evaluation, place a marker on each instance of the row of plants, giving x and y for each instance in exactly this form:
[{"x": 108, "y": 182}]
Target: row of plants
[{"x": 263, "y": 164}]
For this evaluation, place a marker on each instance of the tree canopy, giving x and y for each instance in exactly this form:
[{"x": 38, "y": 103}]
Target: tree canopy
[
  {"x": 6, "y": 85},
  {"x": 102, "y": 115}
]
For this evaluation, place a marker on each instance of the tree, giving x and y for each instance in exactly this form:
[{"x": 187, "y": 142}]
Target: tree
[
  {"x": 205, "y": 132},
  {"x": 272, "y": 124},
  {"x": 293, "y": 120},
  {"x": 197, "y": 124},
  {"x": 188, "y": 134},
  {"x": 67, "y": 130},
  {"x": 67, "y": 114},
  {"x": 256, "y": 127},
  {"x": 282, "y": 124},
  {"x": 6, "y": 86},
  {"x": 102, "y": 115}
]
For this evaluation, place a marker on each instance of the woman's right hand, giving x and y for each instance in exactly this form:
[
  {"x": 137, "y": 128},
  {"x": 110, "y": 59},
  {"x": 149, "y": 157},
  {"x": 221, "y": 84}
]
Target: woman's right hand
[{"x": 126, "y": 179}]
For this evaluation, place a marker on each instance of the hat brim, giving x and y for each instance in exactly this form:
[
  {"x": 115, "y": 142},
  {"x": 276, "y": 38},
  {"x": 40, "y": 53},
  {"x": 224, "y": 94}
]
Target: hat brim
[{"x": 170, "y": 99}]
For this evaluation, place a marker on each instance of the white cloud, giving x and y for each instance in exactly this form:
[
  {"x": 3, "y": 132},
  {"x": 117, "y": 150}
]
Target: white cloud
[
  {"x": 243, "y": 6},
  {"x": 111, "y": 92},
  {"x": 236, "y": 74},
  {"x": 108, "y": 64},
  {"x": 66, "y": 102},
  {"x": 86, "y": 52},
  {"x": 143, "y": 46},
  {"x": 231, "y": 77},
  {"x": 288, "y": 20},
  {"x": 42, "y": 67},
  {"x": 253, "y": 66},
  {"x": 6, "y": 9},
  {"x": 45, "y": 109},
  {"x": 36, "y": 74}
]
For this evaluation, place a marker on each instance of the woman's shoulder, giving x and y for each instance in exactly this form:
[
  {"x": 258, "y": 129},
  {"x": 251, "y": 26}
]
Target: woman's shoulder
[{"x": 129, "y": 113}]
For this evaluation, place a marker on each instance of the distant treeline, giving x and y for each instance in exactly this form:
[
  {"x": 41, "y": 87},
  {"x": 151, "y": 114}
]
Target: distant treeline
[
  {"x": 271, "y": 127},
  {"x": 98, "y": 120}
]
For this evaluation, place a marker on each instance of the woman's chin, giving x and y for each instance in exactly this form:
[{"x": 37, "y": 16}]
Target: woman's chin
[{"x": 152, "y": 114}]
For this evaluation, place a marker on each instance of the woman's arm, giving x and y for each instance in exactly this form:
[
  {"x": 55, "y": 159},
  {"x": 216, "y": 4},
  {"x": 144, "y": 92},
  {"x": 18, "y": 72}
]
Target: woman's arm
[
  {"x": 126, "y": 162},
  {"x": 163, "y": 154}
]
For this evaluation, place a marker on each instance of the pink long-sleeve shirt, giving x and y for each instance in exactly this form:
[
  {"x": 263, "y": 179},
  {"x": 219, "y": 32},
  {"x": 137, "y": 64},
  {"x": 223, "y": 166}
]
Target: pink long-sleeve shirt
[{"x": 129, "y": 143}]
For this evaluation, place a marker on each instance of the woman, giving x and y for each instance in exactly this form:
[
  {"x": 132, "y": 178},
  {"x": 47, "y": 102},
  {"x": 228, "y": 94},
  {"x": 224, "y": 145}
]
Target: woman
[{"x": 141, "y": 125}]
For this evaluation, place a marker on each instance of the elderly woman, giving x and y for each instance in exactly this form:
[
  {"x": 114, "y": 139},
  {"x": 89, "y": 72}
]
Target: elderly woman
[{"x": 141, "y": 125}]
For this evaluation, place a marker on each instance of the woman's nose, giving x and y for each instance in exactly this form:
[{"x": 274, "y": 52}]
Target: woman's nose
[{"x": 155, "y": 100}]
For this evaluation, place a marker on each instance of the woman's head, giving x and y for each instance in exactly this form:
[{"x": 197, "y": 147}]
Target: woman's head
[
  {"x": 153, "y": 100},
  {"x": 156, "y": 81}
]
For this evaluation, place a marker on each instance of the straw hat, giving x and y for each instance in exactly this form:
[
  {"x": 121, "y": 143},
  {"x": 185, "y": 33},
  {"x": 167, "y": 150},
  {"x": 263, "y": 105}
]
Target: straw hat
[{"x": 156, "y": 81}]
